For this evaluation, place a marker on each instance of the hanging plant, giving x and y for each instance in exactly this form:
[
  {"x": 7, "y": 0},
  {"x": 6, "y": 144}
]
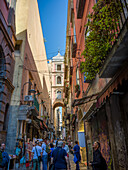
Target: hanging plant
[{"x": 103, "y": 29}]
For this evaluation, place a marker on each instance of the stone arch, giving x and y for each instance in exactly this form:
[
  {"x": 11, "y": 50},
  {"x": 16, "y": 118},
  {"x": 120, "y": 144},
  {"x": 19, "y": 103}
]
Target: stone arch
[{"x": 57, "y": 103}]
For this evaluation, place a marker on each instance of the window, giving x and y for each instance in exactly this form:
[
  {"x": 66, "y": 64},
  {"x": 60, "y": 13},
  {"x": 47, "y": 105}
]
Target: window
[
  {"x": 74, "y": 31},
  {"x": 59, "y": 67},
  {"x": 58, "y": 80},
  {"x": 87, "y": 31},
  {"x": 77, "y": 77},
  {"x": 58, "y": 94}
]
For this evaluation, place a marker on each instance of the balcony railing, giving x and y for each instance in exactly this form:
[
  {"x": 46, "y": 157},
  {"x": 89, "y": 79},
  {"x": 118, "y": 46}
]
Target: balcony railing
[
  {"x": 80, "y": 4},
  {"x": 36, "y": 103},
  {"x": 115, "y": 59}
]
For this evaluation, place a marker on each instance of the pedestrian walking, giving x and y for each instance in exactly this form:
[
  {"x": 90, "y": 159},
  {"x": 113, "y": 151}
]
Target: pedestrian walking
[
  {"x": 37, "y": 154},
  {"x": 59, "y": 158},
  {"x": 45, "y": 155},
  {"x": 5, "y": 158},
  {"x": 51, "y": 150},
  {"x": 66, "y": 148},
  {"x": 77, "y": 157},
  {"x": 99, "y": 162}
]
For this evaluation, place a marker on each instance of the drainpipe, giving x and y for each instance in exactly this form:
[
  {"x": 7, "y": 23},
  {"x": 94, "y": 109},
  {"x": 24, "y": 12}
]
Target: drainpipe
[{"x": 86, "y": 146}]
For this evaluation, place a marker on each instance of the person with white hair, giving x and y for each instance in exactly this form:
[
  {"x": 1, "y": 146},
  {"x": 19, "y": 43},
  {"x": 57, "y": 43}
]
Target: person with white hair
[{"x": 59, "y": 157}]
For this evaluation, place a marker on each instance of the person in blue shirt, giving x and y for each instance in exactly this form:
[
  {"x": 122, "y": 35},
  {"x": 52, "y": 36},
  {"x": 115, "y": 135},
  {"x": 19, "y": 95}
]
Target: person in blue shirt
[
  {"x": 37, "y": 152},
  {"x": 51, "y": 149},
  {"x": 59, "y": 157},
  {"x": 76, "y": 150},
  {"x": 5, "y": 157},
  {"x": 45, "y": 155}
]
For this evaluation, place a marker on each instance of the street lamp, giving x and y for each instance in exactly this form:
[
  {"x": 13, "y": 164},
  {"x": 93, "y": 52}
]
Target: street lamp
[{"x": 29, "y": 82}]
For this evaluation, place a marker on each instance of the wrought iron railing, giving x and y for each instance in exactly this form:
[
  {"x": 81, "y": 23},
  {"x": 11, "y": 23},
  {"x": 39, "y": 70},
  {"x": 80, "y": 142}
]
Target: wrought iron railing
[{"x": 123, "y": 18}]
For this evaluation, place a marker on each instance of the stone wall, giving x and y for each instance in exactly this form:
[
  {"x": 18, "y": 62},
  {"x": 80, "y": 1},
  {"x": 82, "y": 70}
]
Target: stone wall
[{"x": 7, "y": 42}]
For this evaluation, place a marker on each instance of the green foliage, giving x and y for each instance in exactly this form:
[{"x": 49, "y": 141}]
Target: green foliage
[{"x": 103, "y": 28}]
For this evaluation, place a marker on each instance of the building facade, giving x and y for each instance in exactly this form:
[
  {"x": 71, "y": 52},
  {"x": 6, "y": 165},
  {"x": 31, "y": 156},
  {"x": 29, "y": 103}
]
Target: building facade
[
  {"x": 56, "y": 67},
  {"x": 7, "y": 44},
  {"x": 30, "y": 102},
  {"x": 100, "y": 107}
]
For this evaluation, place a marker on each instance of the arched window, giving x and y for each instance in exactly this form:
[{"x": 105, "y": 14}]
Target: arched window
[
  {"x": 58, "y": 94},
  {"x": 2, "y": 62},
  {"x": 58, "y": 80}
]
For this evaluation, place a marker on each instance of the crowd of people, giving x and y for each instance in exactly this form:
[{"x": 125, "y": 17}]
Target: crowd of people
[{"x": 52, "y": 155}]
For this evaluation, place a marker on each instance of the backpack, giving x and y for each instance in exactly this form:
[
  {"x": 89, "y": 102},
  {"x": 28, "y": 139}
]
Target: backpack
[
  {"x": 103, "y": 163},
  {"x": 47, "y": 149}
]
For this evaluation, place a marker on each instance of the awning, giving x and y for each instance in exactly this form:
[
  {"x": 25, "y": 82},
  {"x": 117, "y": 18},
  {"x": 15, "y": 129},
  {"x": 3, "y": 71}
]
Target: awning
[
  {"x": 35, "y": 124},
  {"x": 89, "y": 112},
  {"x": 84, "y": 100},
  {"x": 113, "y": 84},
  {"x": 45, "y": 126}
]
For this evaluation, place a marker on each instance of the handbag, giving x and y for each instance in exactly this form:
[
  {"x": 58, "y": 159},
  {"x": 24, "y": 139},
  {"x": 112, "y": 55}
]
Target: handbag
[
  {"x": 75, "y": 159},
  {"x": 39, "y": 157}
]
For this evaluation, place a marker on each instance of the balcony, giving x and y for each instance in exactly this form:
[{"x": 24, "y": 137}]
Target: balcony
[
  {"x": 80, "y": 8},
  {"x": 118, "y": 54},
  {"x": 74, "y": 49},
  {"x": 36, "y": 104}
]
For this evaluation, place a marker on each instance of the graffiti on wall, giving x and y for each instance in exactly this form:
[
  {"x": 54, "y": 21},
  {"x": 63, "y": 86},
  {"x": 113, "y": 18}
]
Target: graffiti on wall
[{"x": 105, "y": 149}]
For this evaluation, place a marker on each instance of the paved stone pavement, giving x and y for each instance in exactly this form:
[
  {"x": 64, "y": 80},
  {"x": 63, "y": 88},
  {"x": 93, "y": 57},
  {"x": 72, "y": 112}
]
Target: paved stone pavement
[{"x": 73, "y": 165}]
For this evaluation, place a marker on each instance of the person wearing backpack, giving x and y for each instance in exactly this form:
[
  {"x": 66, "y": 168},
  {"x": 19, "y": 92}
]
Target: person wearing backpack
[
  {"x": 45, "y": 155},
  {"x": 99, "y": 162},
  {"x": 59, "y": 160}
]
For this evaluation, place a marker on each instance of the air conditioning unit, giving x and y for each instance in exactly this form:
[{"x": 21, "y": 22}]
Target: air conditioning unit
[{"x": 28, "y": 98}]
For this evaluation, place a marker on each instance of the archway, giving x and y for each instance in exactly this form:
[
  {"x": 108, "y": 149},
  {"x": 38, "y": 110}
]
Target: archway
[{"x": 58, "y": 113}]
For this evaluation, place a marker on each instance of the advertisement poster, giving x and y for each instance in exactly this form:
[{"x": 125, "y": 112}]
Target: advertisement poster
[{"x": 81, "y": 138}]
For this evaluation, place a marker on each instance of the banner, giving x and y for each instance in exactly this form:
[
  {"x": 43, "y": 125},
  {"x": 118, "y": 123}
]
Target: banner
[{"x": 81, "y": 138}]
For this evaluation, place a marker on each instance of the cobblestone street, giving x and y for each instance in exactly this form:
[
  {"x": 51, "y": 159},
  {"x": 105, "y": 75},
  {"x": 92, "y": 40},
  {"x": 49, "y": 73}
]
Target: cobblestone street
[{"x": 73, "y": 166}]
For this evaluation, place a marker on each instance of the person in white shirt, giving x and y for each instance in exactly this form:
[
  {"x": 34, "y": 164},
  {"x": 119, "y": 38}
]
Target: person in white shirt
[
  {"x": 45, "y": 156},
  {"x": 37, "y": 154},
  {"x": 65, "y": 147}
]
